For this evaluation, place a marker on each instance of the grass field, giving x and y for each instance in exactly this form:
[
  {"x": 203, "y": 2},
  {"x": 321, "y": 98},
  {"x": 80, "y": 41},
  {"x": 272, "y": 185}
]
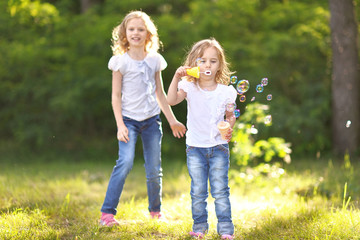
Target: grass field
[{"x": 58, "y": 196}]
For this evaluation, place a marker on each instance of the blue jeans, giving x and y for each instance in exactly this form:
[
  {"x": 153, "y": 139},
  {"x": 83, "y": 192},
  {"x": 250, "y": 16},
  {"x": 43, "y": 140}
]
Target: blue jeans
[
  {"x": 150, "y": 131},
  {"x": 210, "y": 164}
]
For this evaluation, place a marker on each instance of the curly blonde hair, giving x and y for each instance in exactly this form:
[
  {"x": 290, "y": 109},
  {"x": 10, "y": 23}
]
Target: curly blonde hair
[
  {"x": 120, "y": 44},
  {"x": 197, "y": 51}
]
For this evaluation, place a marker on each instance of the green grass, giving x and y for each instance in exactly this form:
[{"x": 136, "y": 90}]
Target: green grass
[{"x": 45, "y": 196}]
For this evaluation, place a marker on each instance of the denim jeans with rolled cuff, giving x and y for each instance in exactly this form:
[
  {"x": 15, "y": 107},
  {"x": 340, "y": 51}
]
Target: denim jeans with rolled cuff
[{"x": 210, "y": 165}]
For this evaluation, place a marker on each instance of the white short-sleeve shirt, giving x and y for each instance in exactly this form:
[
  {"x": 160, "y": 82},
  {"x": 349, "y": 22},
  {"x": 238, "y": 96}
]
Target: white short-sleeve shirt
[
  {"x": 138, "y": 84},
  {"x": 205, "y": 109}
]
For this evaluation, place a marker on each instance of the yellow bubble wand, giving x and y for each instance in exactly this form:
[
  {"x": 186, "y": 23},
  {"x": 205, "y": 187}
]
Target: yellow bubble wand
[{"x": 195, "y": 72}]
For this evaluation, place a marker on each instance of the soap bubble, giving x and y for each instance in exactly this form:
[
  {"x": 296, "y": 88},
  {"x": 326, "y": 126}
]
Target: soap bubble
[
  {"x": 348, "y": 123},
  {"x": 233, "y": 79},
  {"x": 230, "y": 107},
  {"x": 269, "y": 97},
  {"x": 242, "y": 86},
  {"x": 259, "y": 88},
  {"x": 253, "y": 130},
  {"x": 268, "y": 119},
  {"x": 253, "y": 99},
  {"x": 242, "y": 98},
  {"x": 199, "y": 61},
  {"x": 264, "y": 81},
  {"x": 237, "y": 113}
]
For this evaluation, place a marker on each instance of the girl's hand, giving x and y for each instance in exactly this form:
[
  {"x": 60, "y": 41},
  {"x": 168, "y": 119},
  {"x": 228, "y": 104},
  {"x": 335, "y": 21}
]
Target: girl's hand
[
  {"x": 180, "y": 72},
  {"x": 123, "y": 134},
  {"x": 178, "y": 129},
  {"x": 228, "y": 136}
]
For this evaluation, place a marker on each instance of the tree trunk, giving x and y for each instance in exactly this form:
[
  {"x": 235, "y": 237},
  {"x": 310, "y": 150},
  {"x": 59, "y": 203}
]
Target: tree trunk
[
  {"x": 85, "y": 5},
  {"x": 345, "y": 77}
]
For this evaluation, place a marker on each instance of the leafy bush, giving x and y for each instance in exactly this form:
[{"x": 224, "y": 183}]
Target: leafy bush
[{"x": 247, "y": 148}]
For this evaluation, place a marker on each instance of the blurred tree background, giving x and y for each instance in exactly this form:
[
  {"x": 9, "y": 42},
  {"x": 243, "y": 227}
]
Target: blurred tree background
[{"x": 55, "y": 85}]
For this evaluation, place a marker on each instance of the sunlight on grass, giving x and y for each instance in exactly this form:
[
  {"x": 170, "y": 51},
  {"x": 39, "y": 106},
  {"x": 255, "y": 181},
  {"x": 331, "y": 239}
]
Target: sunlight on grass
[{"x": 23, "y": 224}]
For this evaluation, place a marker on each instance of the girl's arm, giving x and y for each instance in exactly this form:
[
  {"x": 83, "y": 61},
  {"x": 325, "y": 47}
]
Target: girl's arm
[
  {"x": 122, "y": 132},
  {"x": 174, "y": 96},
  {"x": 177, "y": 127},
  {"x": 230, "y": 117}
]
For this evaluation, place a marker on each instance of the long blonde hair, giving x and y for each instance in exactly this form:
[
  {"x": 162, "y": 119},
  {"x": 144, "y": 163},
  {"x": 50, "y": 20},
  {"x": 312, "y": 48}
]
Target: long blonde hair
[
  {"x": 197, "y": 51},
  {"x": 120, "y": 44}
]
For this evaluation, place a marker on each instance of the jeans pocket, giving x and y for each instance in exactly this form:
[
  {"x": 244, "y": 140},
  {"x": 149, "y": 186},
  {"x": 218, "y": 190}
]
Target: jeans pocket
[
  {"x": 126, "y": 118},
  {"x": 188, "y": 148},
  {"x": 158, "y": 119},
  {"x": 223, "y": 147}
]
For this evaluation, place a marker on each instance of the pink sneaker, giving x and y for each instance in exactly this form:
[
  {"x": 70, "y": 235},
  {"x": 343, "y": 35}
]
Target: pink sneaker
[
  {"x": 227, "y": 236},
  {"x": 197, "y": 235},
  {"x": 107, "y": 219},
  {"x": 157, "y": 215}
]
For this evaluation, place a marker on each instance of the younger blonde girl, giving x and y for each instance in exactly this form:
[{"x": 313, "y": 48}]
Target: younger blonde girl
[{"x": 207, "y": 153}]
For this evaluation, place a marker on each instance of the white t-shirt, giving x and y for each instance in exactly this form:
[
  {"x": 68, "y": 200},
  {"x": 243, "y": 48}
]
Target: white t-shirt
[
  {"x": 205, "y": 109},
  {"x": 138, "y": 84}
]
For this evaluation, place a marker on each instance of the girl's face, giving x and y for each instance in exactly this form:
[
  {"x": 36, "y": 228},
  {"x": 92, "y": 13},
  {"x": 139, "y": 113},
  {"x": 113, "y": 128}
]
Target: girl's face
[
  {"x": 136, "y": 33},
  {"x": 210, "y": 61}
]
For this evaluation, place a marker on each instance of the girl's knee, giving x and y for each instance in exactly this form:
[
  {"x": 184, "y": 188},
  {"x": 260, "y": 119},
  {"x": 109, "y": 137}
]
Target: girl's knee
[
  {"x": 124, "y": 164},
  {"x": 153, "y": 175}
]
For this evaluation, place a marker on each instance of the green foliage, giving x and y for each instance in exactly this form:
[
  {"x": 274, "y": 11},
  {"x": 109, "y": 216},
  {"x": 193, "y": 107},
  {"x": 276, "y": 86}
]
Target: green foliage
[
  {"x": 246, "y": 146},
  {"x": 55, "y": 81},
  {"x": 28, "y": 12},
  {"x": 56, "y": 84}
]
